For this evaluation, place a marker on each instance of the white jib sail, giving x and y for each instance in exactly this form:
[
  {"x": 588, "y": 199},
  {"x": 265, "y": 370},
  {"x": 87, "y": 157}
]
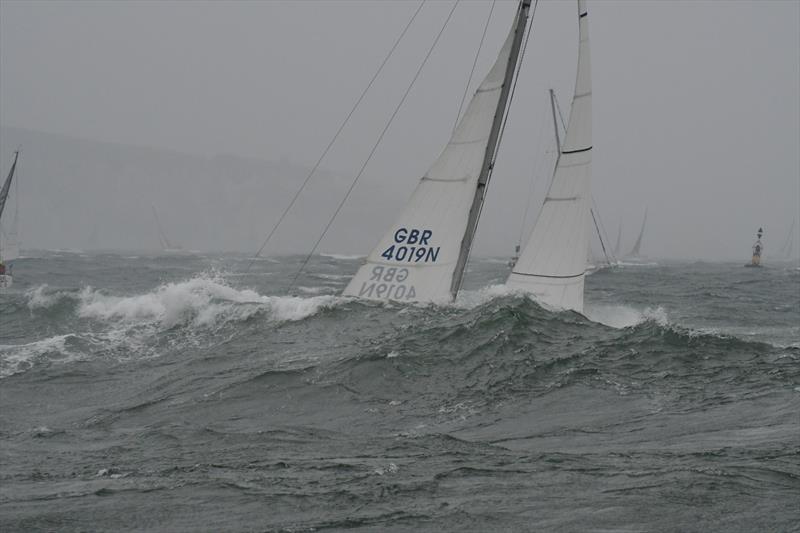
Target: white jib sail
[
  {"x": 552, "y": 265},
  {"x": 417, "y": 259}
]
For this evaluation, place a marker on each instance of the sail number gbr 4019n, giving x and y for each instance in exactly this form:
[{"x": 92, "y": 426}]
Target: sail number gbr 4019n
[
  {"x": 412, "y": 246},
  {"x": 391, "y": 282}
]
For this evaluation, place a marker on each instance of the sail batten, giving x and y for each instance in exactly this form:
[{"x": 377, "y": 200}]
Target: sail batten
[
  {"x": 423, "y": 255},
  {"x": 552, "y": 265}
]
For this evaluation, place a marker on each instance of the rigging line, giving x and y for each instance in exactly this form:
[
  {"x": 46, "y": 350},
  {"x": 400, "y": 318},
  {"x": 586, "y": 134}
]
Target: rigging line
[
  {"x": 603, "y": 228},
  {"x": 336, "y": 135},
  {"x": 475, "y": 62},
  {"x": 374, "y": 147},
  {"x": 602, "y": 244}
]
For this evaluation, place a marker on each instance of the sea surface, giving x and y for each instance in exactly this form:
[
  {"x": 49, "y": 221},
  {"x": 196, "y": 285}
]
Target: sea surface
[{"x": 184, "y": 392}]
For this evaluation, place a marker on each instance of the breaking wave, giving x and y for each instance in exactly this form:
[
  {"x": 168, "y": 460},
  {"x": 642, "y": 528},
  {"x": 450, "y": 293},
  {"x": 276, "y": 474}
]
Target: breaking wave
[
  {"x": 200, "y": 301},
  {"x": 144, "y": 325}
]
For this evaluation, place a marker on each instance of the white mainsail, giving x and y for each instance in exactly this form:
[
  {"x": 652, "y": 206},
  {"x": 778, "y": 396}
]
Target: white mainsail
[
  {"x": 423, "y": 255},
  {"x": 9, "y": 242},
  {"x": 553, "y": 263}
]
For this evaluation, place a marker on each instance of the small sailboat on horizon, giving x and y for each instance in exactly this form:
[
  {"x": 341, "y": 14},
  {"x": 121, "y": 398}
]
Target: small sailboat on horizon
[
  {"x": 166, "y": 245},
  {"x": 9, "y": 249},
  {"x": 636, "y": 251}
]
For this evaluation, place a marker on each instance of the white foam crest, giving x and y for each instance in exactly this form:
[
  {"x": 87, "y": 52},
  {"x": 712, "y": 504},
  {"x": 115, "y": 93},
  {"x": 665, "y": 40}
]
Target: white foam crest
[
  {"x": 474, "y": 298},
  {"x": 20, "y": 357},
  {"x": 312, "y": 290},
  {"x": 342, "y": 257},
  {"x": 624, "y": 263},
  {"x": 40, "y": 298},
  {"x": 623, "y": 316},
  {"x": 291, "y": 308},
  {"x": 203, "y": 301}
]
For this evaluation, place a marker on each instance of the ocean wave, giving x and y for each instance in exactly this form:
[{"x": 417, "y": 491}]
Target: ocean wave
[
  {"x": 18, "y": 358},
  {"x": 623, "y": 316},
  {"x": 42, "y": 297},
  {"x": 142, "y": 326},
  {"x": 200, "y": 301}
]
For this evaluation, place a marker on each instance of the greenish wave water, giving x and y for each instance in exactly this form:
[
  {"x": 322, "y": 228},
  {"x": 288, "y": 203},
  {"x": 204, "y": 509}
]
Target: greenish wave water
[{"x": 188, "y": 393}]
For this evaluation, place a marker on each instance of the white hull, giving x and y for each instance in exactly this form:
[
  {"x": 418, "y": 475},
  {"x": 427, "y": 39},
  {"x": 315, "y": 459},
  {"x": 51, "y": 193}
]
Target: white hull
[{"x": 6, "y": 281}]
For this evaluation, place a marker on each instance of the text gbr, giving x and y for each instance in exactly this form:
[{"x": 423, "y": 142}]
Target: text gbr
[{"x": 412, "y": 246}]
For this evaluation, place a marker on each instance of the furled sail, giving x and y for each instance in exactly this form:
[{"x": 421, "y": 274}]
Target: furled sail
[
  {"x": 423, "y": 255},
  {"x": 553, "y": 263},
  {"x": 638, "y": 245}
]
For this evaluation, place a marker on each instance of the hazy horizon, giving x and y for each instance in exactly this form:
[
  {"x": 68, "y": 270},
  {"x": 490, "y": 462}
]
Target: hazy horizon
[{"x": 696, "y": 117}]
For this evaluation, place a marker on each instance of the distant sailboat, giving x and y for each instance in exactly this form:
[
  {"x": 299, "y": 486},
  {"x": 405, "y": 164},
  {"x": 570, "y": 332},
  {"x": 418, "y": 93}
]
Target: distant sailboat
[
  {"x": 617, "y": 247},
  {"x": 9, "y": 250},
  {"x": 163, "y": 241},
  {"x": 758, "y": 249},
  {"x": 787, "y": 250},
  {"x": 552, "y": 266},
  {"x": 423, "y": 256},
  {"x": 637, "y": 247}
]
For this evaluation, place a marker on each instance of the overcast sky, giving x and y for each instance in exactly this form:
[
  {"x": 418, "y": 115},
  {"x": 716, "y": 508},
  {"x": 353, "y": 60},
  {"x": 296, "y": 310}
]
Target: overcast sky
[{"x": 696, "y": 104}]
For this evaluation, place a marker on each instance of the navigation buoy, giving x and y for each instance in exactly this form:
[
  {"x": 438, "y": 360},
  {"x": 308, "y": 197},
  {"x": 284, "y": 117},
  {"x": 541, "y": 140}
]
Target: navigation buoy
[{"x": 758, "y": 249}]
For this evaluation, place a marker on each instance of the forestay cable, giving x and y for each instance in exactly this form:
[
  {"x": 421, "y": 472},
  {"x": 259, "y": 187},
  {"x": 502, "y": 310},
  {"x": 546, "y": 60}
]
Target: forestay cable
[
  {"x": 336, "y": 135},
  {"x": 374, "y": 147}
]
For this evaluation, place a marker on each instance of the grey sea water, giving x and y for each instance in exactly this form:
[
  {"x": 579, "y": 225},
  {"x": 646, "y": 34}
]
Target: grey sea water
[{"x": 182, "y": 393}]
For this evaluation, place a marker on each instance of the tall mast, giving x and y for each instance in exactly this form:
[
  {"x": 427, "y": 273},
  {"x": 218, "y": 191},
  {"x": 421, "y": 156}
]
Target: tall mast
[{"x": 491, "y": 150}]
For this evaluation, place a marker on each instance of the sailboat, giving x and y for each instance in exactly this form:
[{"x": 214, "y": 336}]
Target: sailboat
[
  {"x": 163, "y": 241},
  {"x": 423, "y": 255},
  {"x": 552, "y": 266},
  {"x": 617, "y": 248},
  {"x": 9, "y": 250},
  {"x": 637, "y": 246}
]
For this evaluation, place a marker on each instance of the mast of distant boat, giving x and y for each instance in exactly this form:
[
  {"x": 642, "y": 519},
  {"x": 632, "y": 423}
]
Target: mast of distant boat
[
  {"x": 638, "y": 245},
  {"x": 162, "y": 238}
]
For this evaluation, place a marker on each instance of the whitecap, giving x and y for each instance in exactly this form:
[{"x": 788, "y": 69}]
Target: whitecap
[
  {"x": 40, "y": 298},
  {"x": 342, "y": 257},
  {"x": 18, "y": 358},
  {"x": 202, "y": 301},
  {"x": 623, "y": 316}
]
